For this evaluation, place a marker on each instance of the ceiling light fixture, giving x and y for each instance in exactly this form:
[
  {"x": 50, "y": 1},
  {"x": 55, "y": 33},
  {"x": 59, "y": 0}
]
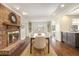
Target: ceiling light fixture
[
  {"x": 62, "y": 5},
  {"x": 24, "y": 13},
  {"x": 17, "y": 8}
]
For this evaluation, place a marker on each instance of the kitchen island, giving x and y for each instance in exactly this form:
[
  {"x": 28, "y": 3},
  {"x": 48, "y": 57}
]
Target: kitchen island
[{"x": 71, "y": 38}]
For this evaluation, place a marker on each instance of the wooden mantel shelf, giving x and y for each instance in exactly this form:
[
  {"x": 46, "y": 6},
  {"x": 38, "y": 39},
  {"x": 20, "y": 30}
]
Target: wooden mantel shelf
[{"x": 11, "y": 24}]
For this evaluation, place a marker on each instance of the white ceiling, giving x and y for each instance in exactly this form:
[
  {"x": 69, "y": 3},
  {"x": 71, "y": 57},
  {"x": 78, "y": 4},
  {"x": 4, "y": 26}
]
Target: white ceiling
[
  {"x": 35, "y": 9},
  {"x": 43, "y": 10}
]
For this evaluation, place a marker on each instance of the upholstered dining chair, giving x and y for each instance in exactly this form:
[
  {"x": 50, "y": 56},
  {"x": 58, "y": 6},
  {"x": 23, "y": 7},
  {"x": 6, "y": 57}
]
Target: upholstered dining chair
[{"x": 39, "y": 42}]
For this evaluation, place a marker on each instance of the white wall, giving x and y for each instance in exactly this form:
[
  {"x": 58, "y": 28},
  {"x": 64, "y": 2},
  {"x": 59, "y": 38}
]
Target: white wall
[
  {"x": 66, "y": 24},
  {"x": 58, "y": 33},
  {"x": 23, "y": 31},
  {"x": 24, "y": 28},
  {"x": 63, "y": 24},
  {"x": 56, "y": 22}
]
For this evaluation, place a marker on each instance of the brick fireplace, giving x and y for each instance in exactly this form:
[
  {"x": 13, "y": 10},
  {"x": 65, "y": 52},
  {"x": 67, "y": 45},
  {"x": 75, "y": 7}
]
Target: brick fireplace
[{"x": 9, "y": 27}]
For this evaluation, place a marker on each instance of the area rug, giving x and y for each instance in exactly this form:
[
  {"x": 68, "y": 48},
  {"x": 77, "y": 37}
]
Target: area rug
[{"x": 36, "y": 52}]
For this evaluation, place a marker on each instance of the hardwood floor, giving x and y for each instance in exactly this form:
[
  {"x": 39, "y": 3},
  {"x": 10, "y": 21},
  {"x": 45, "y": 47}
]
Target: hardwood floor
[
  {"x": 56, "y": 49},
  {"x": 36, "y": 52},
  {"x": 63, "y": 49}
]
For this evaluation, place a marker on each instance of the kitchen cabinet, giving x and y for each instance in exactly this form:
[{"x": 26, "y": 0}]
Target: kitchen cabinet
[{"x": 71, "y": 38}]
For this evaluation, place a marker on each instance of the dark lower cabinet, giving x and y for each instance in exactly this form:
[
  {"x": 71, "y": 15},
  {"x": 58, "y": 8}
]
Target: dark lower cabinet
[{"x": 70, "y": 38}]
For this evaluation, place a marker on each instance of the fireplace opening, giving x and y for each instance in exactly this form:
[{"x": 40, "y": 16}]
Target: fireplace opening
[{"x": 13, "y": 36}]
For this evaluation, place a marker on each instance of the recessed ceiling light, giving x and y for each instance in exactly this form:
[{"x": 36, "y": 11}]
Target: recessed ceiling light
[
  {"x": 17, "y": 7},
  {"x": 62, "y": 5},
  {"x": 24, "y": 13}
]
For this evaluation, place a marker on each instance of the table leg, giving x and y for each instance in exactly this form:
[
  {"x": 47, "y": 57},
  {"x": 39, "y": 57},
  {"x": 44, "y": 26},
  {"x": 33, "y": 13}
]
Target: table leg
[
  {"x": 31, "y": 46},
  {"x": 48, "y": 46}
]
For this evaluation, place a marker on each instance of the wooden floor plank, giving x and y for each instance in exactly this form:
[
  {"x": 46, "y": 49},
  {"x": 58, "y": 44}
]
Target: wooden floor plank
[{"x": 63, "y": 49}]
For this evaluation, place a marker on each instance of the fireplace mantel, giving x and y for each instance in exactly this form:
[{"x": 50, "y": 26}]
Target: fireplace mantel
[
  {"x": 11, "y": 25},
  {"x": 7, "y": 24}
]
